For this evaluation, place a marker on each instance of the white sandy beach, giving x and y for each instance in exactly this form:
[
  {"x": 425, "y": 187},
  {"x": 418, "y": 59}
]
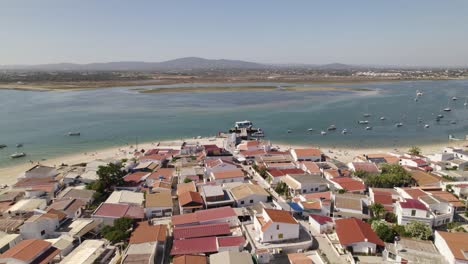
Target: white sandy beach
[{"x": 8, "y": 174}]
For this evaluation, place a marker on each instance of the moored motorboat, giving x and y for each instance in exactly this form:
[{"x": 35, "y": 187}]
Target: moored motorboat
[
  {"x": 426, "y": 126},
  {"x": 382, "y": 118},
  {"x": 17, "y": 155},
  {"x": 310, "y": 129},
  {"x": 369, "y": 128},
  {"x": 19, "y": 145},
  {"x": 399, "y": 124},
  {"x": 344, "y": 131},
  {"x": 323, "y": 133},
  {"x": 74, "y": 134},
  {"x": 331, "y": 128},
  {"x": 2, "y": 146},
  {"x": 363, "y": 122}
]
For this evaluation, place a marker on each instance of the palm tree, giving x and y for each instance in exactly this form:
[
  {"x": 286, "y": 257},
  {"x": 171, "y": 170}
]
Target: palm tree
[{"x": 377, "y": 210}]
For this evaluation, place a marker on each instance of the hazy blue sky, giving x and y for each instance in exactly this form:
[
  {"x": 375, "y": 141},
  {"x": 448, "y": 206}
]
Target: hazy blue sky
[{"x": 399, "y": 32}]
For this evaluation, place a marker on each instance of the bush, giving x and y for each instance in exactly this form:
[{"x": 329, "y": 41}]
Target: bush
[
  {"x": 384, "y": 231},
  {"x": 392, "y": 176},
  {"x": 119, "y": 232},
  {"x": 187, "y": 180},
  {"x": 418, "y": 230}
]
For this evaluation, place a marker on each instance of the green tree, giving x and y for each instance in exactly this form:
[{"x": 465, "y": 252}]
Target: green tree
[
  {"x": 418, "y": 230},
  {"x": 281, "y": 188},
  {"x": 390, "y": 217},
  {"x": 414, "y": 150},
  {"x": 110, "y": 176},
  {"x": 341, "y": 191},
  {"x": 187, "y": 180},
  {"x": 119, "y": 231},
  {"x": 361, "y": 174},
  {"x": 377, "y": 210},
  {"x": 384, "y": 231},
  {"x": 393, "y": 175}
]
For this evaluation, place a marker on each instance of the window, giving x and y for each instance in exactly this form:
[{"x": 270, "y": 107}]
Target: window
[
  {"x": 304, "y": 191},
  {"x": 251, "y": 201},
  {"x": 242, "y": 202},
  {"x": 280, "y": 236},
  {"x": 42, "y": 232},
  {"x": 413, "y": 212},
  {"x": 277, "y": 227},
  {"x": 316, "y": 189}
]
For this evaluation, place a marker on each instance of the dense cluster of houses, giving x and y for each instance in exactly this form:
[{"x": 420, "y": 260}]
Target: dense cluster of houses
[{"x": 195, "y": 203}]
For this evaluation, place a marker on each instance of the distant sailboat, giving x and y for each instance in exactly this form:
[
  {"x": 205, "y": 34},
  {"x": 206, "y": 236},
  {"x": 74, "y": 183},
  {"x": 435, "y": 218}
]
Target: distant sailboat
[
  {"x": 448, "y": 109},
  {"x": 418, "y": 93}
]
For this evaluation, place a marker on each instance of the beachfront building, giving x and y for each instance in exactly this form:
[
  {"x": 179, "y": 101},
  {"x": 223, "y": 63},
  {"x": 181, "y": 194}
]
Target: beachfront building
[
  {"x": 276, "y": 225},
  {"x": 412, "y": 210},
  {"x": 39, "y": 171},
  {"x": 357, "y": 236},
  {"x": 251, "y": 145},
  {"x": 306, "y": 154},
  {"x": 217, "y": 165},
  {"x": 453, "y": 246}
]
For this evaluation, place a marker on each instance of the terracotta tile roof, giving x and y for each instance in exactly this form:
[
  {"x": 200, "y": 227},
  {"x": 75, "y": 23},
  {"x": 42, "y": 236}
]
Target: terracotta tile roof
[
  {"x": 447, "y": 197},
  {"x": 299, "y": 258},
  {"x": 457, "y": 243},
  {"x": 349, "y": 184},
  {"x": 318, "y": 195},
  {"x": 228, "y": 174},
  {"x": 256, "y": 152},
  {"x": 311, "y": 166},
  {"x": 321, "y": 219},
  {"x": 275, "y": 172},
  {"x": 165, "y": 173},
  {"x": 185, "y": 232},
  {"x": 162, "y": 185},
  {"x": 204, "y": 216},
  {"x": 190, "y": 199},
  {"x": 185, "y": 187},
  {"x": 144, "y": 232},
  {"x": 352, "y": 230},
  {"x": 311, "y": 204},
  {"x": 413, "y": 204},
  {"x": 135, "y": 177},
  {"x": 27, "y": 250},
  {"x": 383, "y": 199},
  {"x": 231, "y": 241},
  {"x": 119, "y": 210},
  {"x": 306, "y": 152},
  {"x": 415, "y": 193},
  {"x": 424, "y": 178},
  {"x": 365, "y": 166},
  {"x": 332, "y": 173},
  {"x": 280, "y": 216},
  {"x": 160, "y": 199},
  {"x": 194, "y": 246},
  {"x": 189, "y": 259}
]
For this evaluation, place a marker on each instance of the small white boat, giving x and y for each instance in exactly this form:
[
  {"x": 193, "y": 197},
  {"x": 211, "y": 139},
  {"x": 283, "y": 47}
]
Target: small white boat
[
  {"x": 382, "y": 118},
  {"x": 466, "y": 102},
  {"x": 440, "y": 116},
  {"x": 331, "y": 128},
  {"x": 289, "y": 131},
  {"x": 399, "y": 124},
  {"x": 19, "y": 145},
  {"x": 71, "y": 134},
  {"x": 418, "y": 93},
  {"x": 18, "y": 155},
  {"x": 426, "y": 126},
  {"x": 453, "y": 122},
  {"x": 416, "y": 99},
  {"x": 2, "y": 146},
  {"x": 323, "y": 133},
  {"x": 454, "y": 98},
  {"x": 366, "y": 115},
  {"x": 344, "y": 131},
  {"x": 363, "y": 122},
  {"x": 447, "y": 109},
  {"x": 369, "y": 128},
  {"x": 258, "y": 134},
  {"x": 310, "y": 129}
]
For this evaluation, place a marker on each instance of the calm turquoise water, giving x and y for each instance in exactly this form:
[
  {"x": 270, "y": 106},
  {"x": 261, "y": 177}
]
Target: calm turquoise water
[{"x": 109, "y": 117}]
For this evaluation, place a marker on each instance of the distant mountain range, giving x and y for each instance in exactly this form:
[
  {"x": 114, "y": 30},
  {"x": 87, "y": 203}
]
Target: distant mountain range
[{"x": 187, "y": 63}]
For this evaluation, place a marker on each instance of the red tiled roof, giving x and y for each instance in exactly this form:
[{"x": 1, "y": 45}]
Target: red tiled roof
[
  {"x": 365, "y": 166},
  {"x": 145, "y": 232},
  {"x": 185, "y": 232},
  {"x": 413, "y": 204},
  {"x": 349, "y": 184},
  {"x": 27, "y": 250},
  {"x": 414, "y": 192},
  {"x": 352, "y": 230},
  {"x": 321, "y": 219},
  {"x": 194, "y": 246},
  {"x": 119, "y": 210},
  {"x": 319, "y": 195},
  {"x": 231, "y": 241},
  {"x": 228, "y": 174},
  {"x": 280, "y": 216},
  {"x": 166, "y": 173},
  {"x": 135, "y": 177},
  {"x": 308, "y": 152},
  {"x": 253, "y": 152},
  {"x": 190, "y": 198},
  {"x": 311, "y": 166},
  {"x": 274, "y": 172},
  {"x": 189, "y": 259},
  {"x": 203, "y": 216},
  {"x": 383, "y": 199}
]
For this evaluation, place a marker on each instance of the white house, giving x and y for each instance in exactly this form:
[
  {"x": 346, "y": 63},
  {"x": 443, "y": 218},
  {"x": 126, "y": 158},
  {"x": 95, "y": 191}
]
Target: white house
[
  {"x": 40, "y": 171},
  {"x": 234, "y": 175},
  {"x": 158, "y": 204},
  {"x": 249, "y": 194},
  {"x": 276, "y": 225},
  {"x": 307, "y": 154},
  {"x": 321, "y": 224},
  {"x": 305, "y": 183},
  {"x": 441, "y": 210},
  {"x": 217, "y": 165},
  {"x": 41, "y": 226},
  {"x": 249, "y": 145},
  {"x": 453, "y": 246},
  {"x": 357, "y": 236},
  {"x": 125, "y": 197},
  {"x": 412, "y": 210}
]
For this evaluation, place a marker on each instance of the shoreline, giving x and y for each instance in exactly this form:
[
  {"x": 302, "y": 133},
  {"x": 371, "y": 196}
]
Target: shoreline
[
  {"x": 83, "y": 86},
  {"x": 9, "y": 174}
]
